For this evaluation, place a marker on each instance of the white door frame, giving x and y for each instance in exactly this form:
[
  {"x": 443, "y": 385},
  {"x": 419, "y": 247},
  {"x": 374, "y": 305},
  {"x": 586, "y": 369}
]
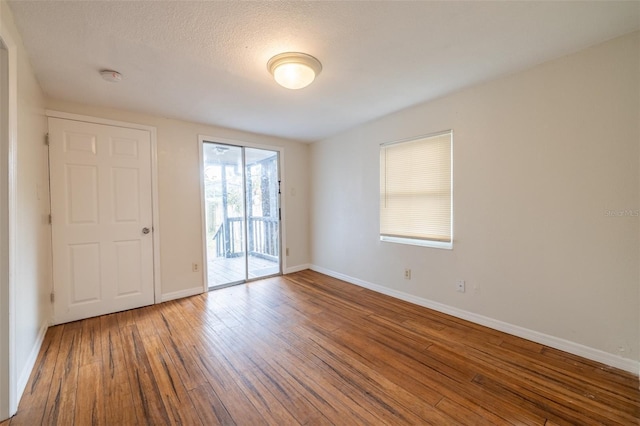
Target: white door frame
[
  {"x": 8, "y": 144},
  {"x": 157, "y": 284},
  {"x": 283, "y": 232}
]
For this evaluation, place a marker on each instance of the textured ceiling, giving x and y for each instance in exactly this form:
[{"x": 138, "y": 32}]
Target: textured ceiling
[{"x": 206, "y": 61}]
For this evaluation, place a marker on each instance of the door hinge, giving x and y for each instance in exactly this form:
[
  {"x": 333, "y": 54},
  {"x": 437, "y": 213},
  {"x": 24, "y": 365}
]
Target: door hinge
[
  {"x": 50, "y": 219},
  {"x": 46, "y": 139},
  {"x": 279, "y": 192},
  {"x": 280, "y": 214},
  {"x": 52, "y": 296}
]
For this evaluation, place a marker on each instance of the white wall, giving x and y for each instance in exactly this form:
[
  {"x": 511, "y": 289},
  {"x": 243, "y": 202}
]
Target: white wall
[
  {"x": 539, "y": 157},
  {"x": 32, "y": 235},
  {"x": 179, "y": 191}
]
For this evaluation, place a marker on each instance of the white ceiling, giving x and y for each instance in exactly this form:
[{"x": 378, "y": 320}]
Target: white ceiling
[{"x": 206, "y": 61}]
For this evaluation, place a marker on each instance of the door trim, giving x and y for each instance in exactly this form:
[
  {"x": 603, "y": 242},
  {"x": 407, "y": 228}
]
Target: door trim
[
  {"x": 157, "y": 281},
  {"x": 9, "y": 377},
  {"x": 283, "y": 231}
]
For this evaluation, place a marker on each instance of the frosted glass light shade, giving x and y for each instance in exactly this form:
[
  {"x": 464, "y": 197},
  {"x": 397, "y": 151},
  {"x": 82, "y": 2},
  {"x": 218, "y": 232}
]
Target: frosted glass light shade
[
  {"x": 294, "y": 70},
  {"x": 294, "y": 76}
]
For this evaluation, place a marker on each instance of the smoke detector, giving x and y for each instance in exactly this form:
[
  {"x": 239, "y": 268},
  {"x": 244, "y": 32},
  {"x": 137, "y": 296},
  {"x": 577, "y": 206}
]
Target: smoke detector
[{"x": 111, "y": 76}]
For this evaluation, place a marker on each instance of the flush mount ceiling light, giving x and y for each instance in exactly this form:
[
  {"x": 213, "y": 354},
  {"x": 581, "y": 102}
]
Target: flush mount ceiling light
[
  {"x": 294, "y": 70},
  {"x": 111, "y": 76}
]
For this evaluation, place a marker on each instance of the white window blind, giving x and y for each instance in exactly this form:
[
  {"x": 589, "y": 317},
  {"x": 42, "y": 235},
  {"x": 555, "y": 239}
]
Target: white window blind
[{"x": 415, "y": 191}]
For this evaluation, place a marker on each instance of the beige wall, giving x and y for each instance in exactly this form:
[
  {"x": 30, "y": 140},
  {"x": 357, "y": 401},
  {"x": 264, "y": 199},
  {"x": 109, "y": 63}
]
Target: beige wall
[
  {"x": 179, "y": 191},
  {"x": 5, "y": 374},
  {"x": 32, "y": 248},
  {"x": 539, "y": 158}
]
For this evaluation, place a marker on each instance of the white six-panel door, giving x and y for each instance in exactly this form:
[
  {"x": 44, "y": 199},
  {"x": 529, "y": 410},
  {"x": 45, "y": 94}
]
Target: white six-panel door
[{"x": 101, "y": 209}]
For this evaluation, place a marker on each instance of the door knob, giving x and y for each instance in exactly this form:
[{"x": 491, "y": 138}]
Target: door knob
[{"x": 145, "y": 230}]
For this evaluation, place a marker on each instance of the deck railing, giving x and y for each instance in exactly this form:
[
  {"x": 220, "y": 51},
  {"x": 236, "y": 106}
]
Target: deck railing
[{"x": 263, "y": 238}]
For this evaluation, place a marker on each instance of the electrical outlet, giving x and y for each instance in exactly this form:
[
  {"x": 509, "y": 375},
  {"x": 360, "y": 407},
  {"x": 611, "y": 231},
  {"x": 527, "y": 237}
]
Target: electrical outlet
[
  {"x": 460, "y": 286},
  {"x": 407, "y": 273},
  {"x": 195, "y": 267}
]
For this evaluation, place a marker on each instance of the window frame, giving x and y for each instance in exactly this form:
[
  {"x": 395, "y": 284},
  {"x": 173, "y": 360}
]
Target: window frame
[{"x": 432, "y": 243}]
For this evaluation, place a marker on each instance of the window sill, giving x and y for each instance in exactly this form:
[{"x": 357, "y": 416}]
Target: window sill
[{"x": 415, "y": 242}]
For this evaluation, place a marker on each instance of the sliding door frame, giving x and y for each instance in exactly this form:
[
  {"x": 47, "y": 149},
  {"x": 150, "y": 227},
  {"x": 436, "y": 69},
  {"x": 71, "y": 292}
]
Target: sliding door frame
[{"x": 202, "y": 139}]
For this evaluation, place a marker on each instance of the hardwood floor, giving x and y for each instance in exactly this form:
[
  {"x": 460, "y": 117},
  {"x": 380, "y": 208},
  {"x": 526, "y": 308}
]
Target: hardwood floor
[{"x": 309, "y": 349}]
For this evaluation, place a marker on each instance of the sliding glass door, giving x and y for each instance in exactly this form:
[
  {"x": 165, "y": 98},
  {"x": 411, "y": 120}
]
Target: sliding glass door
[
  {"x": 224, "y": 214},
  {"x": 262, "y": 194},
  {"x": 242, "y": 213}
]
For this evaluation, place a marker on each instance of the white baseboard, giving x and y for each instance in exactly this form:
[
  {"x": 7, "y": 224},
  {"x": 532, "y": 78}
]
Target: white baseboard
[
  {"x": 31, "y": 361},
  {"x": 612, "y": 360},
  {"x": 296, "y": 268},
  {"x": 180, "y": 294}
]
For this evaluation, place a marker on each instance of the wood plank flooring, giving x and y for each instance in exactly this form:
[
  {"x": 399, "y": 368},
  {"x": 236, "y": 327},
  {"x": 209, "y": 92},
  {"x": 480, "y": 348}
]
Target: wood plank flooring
[{"x": 309, "y": 349}]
